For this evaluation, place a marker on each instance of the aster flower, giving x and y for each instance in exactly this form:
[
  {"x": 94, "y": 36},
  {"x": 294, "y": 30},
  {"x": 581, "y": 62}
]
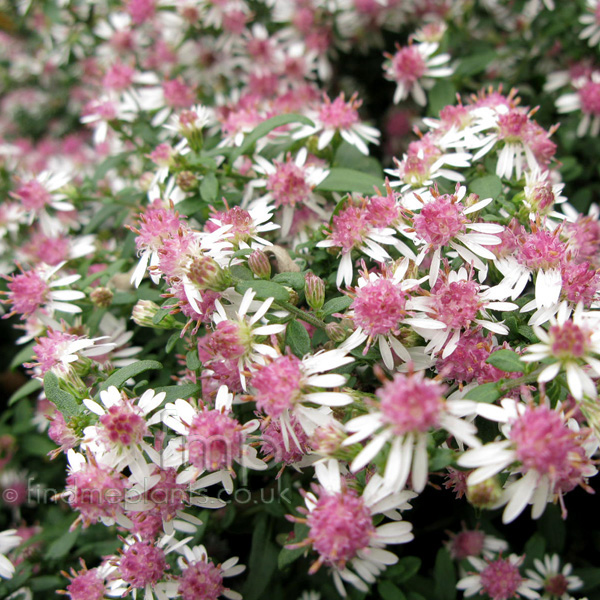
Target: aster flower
[
  {"x": 142, "y": 566},
  {"x": 457, "y": 302},
  {"x": 474, "y": 542},
  {"x": 572, "y": 342},
  {"x": 443, "y": 221},
  {"x": 213, "y": 439},
  {"x": 341, "y": 528},
  {"x": 550, "y": 453},
  {"x": 284, "y": 386},
  {"x": 87, "y": 583},
  {"x": 354, "y": 227},
  {"x": 586, "y": 99},
  {"x": 201, "y": 578},
  {"x": 412, "y": 68},
  {"x": 8, "y": 541},
  {"x": 290, "y": 184},
  {"x": 339, "y": 116},
  {"x": 117, "y": 441},
  {"x": 32, "y": 292},
  {"x": 591, "y": 20},
  {"x": 234, "y": 335},
  {"x": 541, "y": 194},
  {"x": 500, "y": 579},
  {"x": 555, "y": 582},
  {"x": 405, "y": 410}
]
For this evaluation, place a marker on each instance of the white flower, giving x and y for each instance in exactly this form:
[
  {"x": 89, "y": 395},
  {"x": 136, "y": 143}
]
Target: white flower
[
  {"x": 556, "y": 582},
  {"x": 8, "y": 541}
]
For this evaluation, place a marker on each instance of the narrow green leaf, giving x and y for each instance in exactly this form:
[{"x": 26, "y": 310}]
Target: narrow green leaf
[
  {"x": 475, "y": 63},
  {"x": 174, "y": 392},
  {"x": 506, "y": 360},
  {"x": 172, "y": 341},
  {"x": 488, "y": 392},
  {"x": 264, "y": 128},
  {"x": 297, "y": 339},
  {"x": 264, "y": 289},
  {"x": 349, "y": 180},
  {"x": 64, "y": 401},
  {"x": 442, "y": 94},
  {"x": 101, "y": 217},
  {"x": 444, "y": 576},
  {"x": 192, "y": 361},
  {"x": 286, "y": 556},
  {"x": 389, "y": 591},
  {"x": 209, "y": 188},
  {"x": 336, "y": 305},
  {"x": 291, "y": 279},
  {"x": 489, "y": 186},
  {"x": 33, "y": 385},
  {"x": 404, "y": 570},
  {"x": 60, "y": 547},
  {"x": 119, "y": 377},
  {"x": 262, "y": 560},
  {"x": 25, "y": 354}
]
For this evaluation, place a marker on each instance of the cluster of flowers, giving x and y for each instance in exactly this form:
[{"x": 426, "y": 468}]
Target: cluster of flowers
[{"x": 357, "y": 332}]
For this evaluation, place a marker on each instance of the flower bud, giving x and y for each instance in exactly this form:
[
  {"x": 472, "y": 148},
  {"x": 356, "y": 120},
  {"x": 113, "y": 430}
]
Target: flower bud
[
  {"x": 187, "y": 181},
  {"x": 314, "y": 289},
  {"x": 144, "y": 312},
  {"x": 485, "y": 494},
  {"x": 336, "y": 332},
  {"x": 101, "y": 297},
  {"x": 259, "y": 264},
  {"x": 207, "y": 274}
]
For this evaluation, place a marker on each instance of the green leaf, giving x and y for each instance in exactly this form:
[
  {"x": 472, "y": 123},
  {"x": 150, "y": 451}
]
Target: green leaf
[
  {"x": 242, "y": 272},
  {"x": 291, "y": 279},
  {"x": 349, "y": 157},
  {"x": 101, "y": 217},
  {"x": 209, "y": 188},
  {"x": 262, "y": 560},
  {"x": 25, "y": 354},
  {"x": 336, "y": 305},
  {"x": 264, "y": 128},
  {"x": 488, "y": 392},
  {"x": 286, "y": 555},
  {"x": 264, "y": 289},
  {"x": 162, "y": 312},
  {"x": 442, "y": 94},
  {"x": 404, "y": 570},
  {"x": 112, "y": 162},
  {"x": 60, "y": 547},
  {"x": 506, "y": 360},
  {"x": 35, "y": 444},
  {"x": 349, "y": 180},
  {"x": 534, "y": 548},
  {"x": 33, "y": 385},
  {"x": 590, "y": 577},
  {"x": 297, "y": 338},
  {"x": 192, "y": 361},
  {"x": 174, "y": 392},
  {"x": 475, "y": 63},
  {"x": 118, "y": 378},
  {"x": 440, "y": 458},
  {"x": 64, "y": 401},
  {"x": 43, "y": 583},
  {"x": 389, "y": 591},
  {"x": 172, "y": 341},
  {"x": 489, "y": 186},
  {"x": 444, "y": 576}
]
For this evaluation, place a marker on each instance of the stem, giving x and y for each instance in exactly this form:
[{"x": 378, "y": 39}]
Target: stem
[
  {"x": 513, "y": 383},
  {"x": 301, "y": 314}
]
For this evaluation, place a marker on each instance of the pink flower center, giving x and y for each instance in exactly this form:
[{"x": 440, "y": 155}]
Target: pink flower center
[
  {"x": 95, "y": 492},
  {"x": 349, "y": 227},
  {"x": 51, "y": 349},
  {"x": 86, "y": 586},
  {"x": 411, "y": 403},
  {"x": 513, "y": 126},
  {"x": 543, "y": 442},
  {"x": 382, "y": 211},
  {"x": 33, "y": 195},
  {"x": 589, "y": 96},
  {"x": 288, "y": 184},
  {"x": 580, "y": 283},
  {"x": 123, "y": 425},
  {"x": 141, "y": 10},
  {"x": 178, "y": 94},
  {"x": 28, "y": 292},
  {"x": 407, "y": 65},
  {"x": 118, "y": 77},
  {"x": 340, "y": 525},
  {"x": 272, "y": 442},
  {"x": 541, "y": 250},
  {"x": 501, "y": 579},
  {"x": 278, "y": 385},
  {"x": 214, "y": 440},
  {"x": 556, "y": 585},
  {"x": 226, "y": 341},
  {"x": 142, "y": 564},
  {"x": 542, "y": 196},
  {"x": 457, "y": 303},
  {"x": 242, "y": 225},
  {"x": 156, "y": 224},
  {"x": 168, "y": 495},
  {"x": 339, "y": 114},
  {"x": 440, "y": 221},
  {"x": 201, "y": 581},
  {"x": 379, "y": 307},
  {"x": 569, "y": 341},
  {"x": 467, "y": 543}
]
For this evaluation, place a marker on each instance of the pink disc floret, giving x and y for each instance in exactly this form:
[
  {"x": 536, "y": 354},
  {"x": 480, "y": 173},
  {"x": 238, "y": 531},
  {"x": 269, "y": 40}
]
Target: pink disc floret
[
  {"x": 440, "y": 221},
  {"x": 142, "y": 564},
  {"x": 379, "y": 307},
  {"x": 201, "y": 581},
  {"x": 501, "y": 579}
]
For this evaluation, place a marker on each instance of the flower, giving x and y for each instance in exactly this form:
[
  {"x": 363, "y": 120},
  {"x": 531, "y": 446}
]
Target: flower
[
  {"x": 8, "y": 541},
  {"x": 500, "y": 579},
  {"x": 341, "y": 528},
  {"x": 571, "y": 343},
  {"x": 412, "y": 68},
  {"x": 549, "y": 577},
  {"x": 201, "y": 578},
  {"x": 586, "y": 98},
  {"x": 591, "y": 19},
  {"x": 407, "y": 407}
]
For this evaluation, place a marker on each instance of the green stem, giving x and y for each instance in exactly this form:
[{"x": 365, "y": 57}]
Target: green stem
[
  {"x": 301, "y": 314},
  {"x": 513, "y": 383}
]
